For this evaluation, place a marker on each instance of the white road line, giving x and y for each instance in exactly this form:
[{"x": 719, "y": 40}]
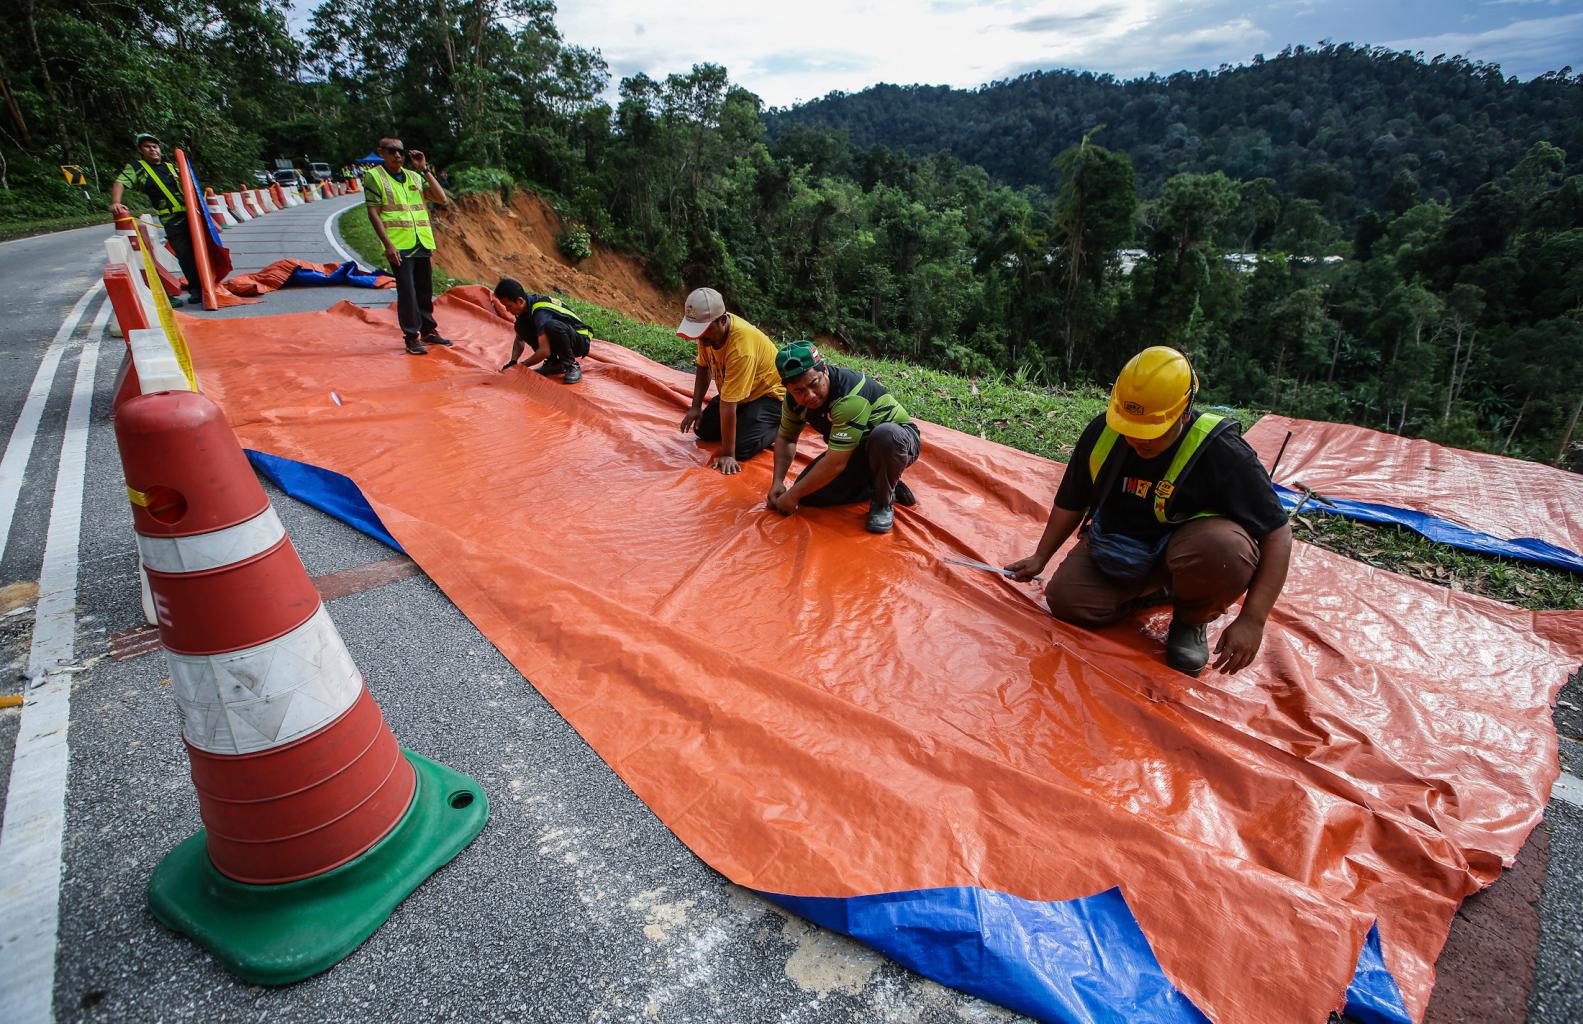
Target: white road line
[
  {"x": 1570, "y": 789},
  {"x": 13, "y": 465},
  {"x": 35, "y": 810},
  {"x": 329, "y": 233}
]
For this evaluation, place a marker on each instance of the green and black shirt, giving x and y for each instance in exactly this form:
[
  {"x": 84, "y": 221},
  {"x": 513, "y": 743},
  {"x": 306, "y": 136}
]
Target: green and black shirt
[
  {"x": 857, "y": 405},
  {"x": 157, "y": 181}
]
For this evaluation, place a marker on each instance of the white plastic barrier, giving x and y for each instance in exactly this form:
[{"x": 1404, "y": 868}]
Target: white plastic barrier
[
  {"x": 217, "y": 210},
  {"x": 237, "y": 207}
]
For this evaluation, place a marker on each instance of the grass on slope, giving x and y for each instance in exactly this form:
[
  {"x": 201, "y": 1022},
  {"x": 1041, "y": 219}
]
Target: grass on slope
[{"x": 1047, "y": 422}]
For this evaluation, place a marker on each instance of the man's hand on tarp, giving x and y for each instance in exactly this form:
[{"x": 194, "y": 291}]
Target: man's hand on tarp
[
  {"x": 727, "y": 464},
  {"x": 1238, "y": 645},
  {"x": 780, "y": 499},
  {"x": 1025, "y": 569}
]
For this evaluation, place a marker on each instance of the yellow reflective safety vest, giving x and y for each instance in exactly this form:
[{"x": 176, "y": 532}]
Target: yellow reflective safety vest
[
  {"x": 1204, "y": 427},
  {"x": 172, "y": 202},
  {"x": 565, "y": 314},
  {"x": 403, "y": 211}
]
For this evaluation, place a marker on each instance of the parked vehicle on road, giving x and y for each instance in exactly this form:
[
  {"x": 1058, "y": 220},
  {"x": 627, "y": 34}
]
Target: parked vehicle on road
[
  {"x": 261, "y": 178},
  {"x": 319, "y": 171},
  {"x": 289, "y": 178}
]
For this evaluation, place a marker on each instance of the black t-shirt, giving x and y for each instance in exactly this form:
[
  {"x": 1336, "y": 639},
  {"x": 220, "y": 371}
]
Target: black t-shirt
[
  {"x": 1226, "y": 478},
  {"x": 531, "y": 322}
]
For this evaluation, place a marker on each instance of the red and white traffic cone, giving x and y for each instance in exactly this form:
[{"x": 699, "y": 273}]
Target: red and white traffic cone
[
  {"x": 233, "y": 202},
  {"x": 299, "y": 779},
  {"x": 222, "y": 216}
]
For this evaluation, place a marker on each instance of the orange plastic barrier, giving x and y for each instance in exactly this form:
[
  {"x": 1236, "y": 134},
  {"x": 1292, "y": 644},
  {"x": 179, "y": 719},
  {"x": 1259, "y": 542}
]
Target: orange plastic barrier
[
  {"x": 818, "y": 711},
  {"x": 1500, "y": 496}
]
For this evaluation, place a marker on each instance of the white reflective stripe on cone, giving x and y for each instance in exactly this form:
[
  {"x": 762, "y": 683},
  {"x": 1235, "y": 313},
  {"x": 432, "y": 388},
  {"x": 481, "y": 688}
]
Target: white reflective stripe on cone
[
  {"x": 212, "y": 550},
  {"x": 251, "y": 700}
]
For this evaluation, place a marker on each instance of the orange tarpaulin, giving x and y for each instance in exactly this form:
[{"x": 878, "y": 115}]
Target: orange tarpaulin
[
  {"x": 1496, "y": 495},
  {"x": 817, "y": 711}
]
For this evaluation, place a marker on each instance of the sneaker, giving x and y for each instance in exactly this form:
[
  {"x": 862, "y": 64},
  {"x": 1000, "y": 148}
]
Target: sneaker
[
  {"x": 1187, "y": 647},
  {"x": 551, "y": 367},
  {"x": 415, "y": 347},
  {"x": 574, "y": 373},
  {"x": 881, "y": 516},
  {"x": 433, "y": 338},
  {"x": 176, "y": 301},
  {"x": 904, "y": 496}
]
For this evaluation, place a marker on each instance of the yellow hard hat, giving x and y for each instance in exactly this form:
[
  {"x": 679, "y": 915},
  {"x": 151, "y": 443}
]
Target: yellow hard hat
[{"x": 1150, "y": 393}]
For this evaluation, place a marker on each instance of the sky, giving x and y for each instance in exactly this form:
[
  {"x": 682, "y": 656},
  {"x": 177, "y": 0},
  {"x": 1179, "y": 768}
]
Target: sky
[{"x": 788, "y": 52}]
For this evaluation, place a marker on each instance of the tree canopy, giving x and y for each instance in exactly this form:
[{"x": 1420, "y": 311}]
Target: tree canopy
[{"x": 1343, "y": 233}]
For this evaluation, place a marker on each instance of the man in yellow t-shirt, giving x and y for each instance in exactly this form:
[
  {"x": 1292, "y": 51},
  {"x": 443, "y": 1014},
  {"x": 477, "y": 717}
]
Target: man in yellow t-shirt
[{"x": 745, "y": 414}]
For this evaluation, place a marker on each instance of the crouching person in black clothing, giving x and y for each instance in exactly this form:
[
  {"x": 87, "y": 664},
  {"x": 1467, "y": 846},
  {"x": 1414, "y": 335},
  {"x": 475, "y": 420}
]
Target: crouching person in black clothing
[{"x": 558, "y": 338}]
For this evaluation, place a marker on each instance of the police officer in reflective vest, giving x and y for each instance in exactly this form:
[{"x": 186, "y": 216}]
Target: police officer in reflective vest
[
  {"x": 1172, "y": 506},
  {"x": 395, "y": 199},
  {"x": 150, "y": 175}
]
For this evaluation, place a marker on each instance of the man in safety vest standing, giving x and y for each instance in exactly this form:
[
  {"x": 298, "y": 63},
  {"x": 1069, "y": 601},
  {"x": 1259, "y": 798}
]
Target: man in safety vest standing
[
  {"x": 150, "y": 175},
  {"x": 395, "y": 200},
  {"x": 1180, "y": 510}
]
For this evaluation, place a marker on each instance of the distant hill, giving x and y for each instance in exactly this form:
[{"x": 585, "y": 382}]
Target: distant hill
[{"x": 1342, "y": 124}]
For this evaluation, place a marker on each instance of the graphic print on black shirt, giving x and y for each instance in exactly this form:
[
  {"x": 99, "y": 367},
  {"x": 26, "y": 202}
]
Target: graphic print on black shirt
[{"x": 1227, "y": 478}]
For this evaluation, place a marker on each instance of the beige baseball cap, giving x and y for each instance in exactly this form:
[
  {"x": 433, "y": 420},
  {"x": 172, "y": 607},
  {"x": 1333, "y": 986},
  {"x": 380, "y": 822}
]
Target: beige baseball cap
[{"x": 704, "y": 307}]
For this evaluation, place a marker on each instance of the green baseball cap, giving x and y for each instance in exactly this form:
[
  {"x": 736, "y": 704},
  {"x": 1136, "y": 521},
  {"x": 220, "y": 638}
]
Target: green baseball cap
[
  {"x": 145, "y": 137},
  {"x": 797, "y": 359}
]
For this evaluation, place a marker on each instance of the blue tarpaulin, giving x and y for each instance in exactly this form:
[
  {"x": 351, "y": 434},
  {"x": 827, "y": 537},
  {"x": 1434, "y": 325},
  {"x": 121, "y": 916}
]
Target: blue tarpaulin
[
  {"x": 1442, "y": 531},
  {"x": 348, "y": 274}
]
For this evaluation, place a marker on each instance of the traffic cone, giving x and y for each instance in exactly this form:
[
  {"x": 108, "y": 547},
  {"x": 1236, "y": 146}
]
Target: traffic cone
[
  {"x": 251, "y": 205},
  {"x": 222, "y": 216},
  {"x": 317, "y": 824},
  {"x": 279, "y": 194}
]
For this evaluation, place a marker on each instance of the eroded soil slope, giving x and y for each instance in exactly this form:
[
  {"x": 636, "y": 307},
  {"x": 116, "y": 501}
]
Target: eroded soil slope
[{"x": 484, "y": 238}]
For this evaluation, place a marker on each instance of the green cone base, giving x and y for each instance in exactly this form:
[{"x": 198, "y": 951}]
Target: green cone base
[{"x": 277, "y": 934}]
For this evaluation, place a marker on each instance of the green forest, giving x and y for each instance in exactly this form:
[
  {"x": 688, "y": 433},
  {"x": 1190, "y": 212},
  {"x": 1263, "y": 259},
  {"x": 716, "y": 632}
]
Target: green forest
[{"x": 1340, "y": 233}]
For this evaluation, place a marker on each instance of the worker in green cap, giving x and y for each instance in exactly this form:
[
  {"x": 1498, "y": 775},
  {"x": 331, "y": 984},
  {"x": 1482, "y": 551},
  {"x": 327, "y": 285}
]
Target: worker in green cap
[
  {"x": 869, "y": 439},
  {"x": 150, "y": 175}
]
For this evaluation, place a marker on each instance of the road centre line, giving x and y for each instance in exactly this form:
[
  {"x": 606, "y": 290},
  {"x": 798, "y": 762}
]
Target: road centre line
[
  {"x": 19, "y": 448},
  {"x": 35, "y": 811}
]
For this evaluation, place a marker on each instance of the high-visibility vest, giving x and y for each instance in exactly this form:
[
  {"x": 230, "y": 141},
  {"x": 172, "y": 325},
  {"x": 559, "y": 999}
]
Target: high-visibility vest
[
  {"x": 403, "y": 212},
  {"x": 1207, "y": 425},
  {"x": 565, "y": 314},
  {"x": 173, "y": 203}
]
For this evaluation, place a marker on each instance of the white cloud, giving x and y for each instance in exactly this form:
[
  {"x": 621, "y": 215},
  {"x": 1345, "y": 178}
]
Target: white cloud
[
  {"x": 788, "y": 52},
  {"x": 1556, "y": 40}
]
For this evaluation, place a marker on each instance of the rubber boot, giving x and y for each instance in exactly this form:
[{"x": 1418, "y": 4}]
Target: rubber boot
[
  {"x": 904, "y": 496},
  {"x": 881, "y": 515},
  {"x": 1187, "y": 647}
]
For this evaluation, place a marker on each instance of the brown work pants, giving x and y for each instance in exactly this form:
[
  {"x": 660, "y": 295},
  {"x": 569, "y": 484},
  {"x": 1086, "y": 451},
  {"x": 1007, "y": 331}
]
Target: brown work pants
[{"x": 1207, "y": 566}]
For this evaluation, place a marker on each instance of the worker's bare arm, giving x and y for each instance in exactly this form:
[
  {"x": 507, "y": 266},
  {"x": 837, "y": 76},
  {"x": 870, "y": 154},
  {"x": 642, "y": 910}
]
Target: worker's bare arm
[
  {"x": 1240, "y": 641},
  {"x": 1061, "y": 525}
]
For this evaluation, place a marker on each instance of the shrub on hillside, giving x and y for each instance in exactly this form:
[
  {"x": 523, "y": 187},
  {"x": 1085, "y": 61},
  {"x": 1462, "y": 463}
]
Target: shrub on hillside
[
  {"x": 575, "y": 243},
  {"x": 465, "y": 180},
  {"x": 35, "y": 189}
]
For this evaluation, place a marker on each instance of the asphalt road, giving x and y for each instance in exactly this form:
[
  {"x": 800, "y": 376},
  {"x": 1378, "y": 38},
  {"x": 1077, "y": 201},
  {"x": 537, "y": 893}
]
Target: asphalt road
[{"x": 575, "y": 903}]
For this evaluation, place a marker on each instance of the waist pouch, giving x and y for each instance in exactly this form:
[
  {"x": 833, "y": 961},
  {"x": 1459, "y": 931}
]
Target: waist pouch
[{"x": 1122, "y": 558}]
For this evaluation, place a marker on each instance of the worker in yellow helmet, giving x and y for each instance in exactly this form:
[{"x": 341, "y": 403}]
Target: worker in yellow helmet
[{"x": 1180, "y": 511}]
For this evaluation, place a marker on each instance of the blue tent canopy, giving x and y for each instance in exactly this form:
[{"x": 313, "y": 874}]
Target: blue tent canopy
[{"x": 372, "y": 158}]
